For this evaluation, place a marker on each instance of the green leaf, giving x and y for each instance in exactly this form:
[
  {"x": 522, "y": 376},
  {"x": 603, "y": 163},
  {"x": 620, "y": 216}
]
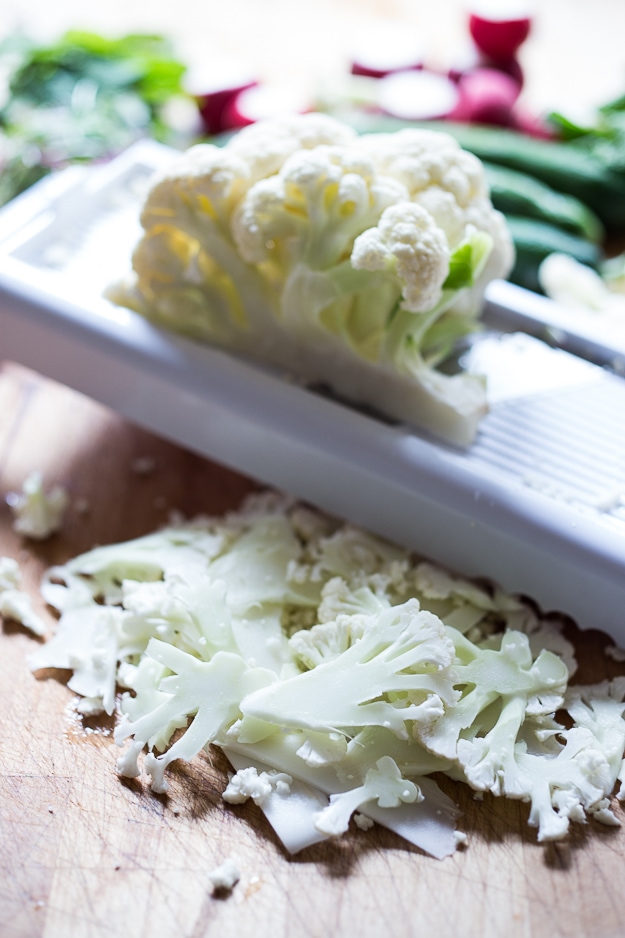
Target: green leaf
[
  {"x": 467, "y": 261},
  {"x": 84, "y": 97}
]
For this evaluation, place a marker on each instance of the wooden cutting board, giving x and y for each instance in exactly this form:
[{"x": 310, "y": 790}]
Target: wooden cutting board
[{"x": 84, "y": 853}]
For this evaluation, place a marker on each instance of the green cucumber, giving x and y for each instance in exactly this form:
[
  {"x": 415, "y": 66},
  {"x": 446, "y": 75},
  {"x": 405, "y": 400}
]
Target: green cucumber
[
  {"x": 516, "y": 193},
  {"x": 535, "y": 240}
]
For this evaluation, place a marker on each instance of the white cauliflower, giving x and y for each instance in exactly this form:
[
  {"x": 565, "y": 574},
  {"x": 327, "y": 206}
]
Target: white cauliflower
[
  {"x": 383, "y": 784},
  {"x": 249, "y": 783},
  {"x": 408, "y": 242},
  {"x": 381, "y": 690},
  {"x": 225, "y": 876},
  {"x": 267, "y": 144},
  {"x": 355, "y": 262},
  {"x": 38, "y": 513},
  {"x": 14, "y": 603}
]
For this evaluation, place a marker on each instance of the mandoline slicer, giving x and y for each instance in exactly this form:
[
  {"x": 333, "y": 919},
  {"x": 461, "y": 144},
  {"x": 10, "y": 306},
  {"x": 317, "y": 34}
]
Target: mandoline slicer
[{"x": 537, "y": 503}]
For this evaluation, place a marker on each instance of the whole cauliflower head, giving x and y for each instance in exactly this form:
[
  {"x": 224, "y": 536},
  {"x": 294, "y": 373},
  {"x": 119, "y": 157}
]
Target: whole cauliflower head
[{"x": 356, "y": 262}]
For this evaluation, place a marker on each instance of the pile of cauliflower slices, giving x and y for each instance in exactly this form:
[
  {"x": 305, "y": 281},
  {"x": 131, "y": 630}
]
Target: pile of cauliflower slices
[
  {"x": 352, "y": 261},
  {"x": 317, "y": 655}
]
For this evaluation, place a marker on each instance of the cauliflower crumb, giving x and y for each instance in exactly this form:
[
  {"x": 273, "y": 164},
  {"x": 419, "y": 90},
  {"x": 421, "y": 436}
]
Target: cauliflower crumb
[
  {"x": 15, "y": 604},
  {"x": 38, "y": 514},
  {"x": 461, "y": 838},
  {"x": 9, "y": 574},
  {"x": 90, "y": 706},
  {"x": 603, "y": 813},
  {"x": 248, "y": 783},
  {"x": 225, "y": 876},
  {"x": 363, "y": 822}
]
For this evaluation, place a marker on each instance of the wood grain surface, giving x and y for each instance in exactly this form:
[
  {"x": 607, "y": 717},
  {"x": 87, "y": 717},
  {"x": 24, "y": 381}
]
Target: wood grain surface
[{"x": 84, "y": 854}]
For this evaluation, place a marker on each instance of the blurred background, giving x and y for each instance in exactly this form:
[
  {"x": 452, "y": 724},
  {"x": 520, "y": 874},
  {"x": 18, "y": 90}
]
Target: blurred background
[
  {"x": 575, "y": 54},
  {"x": 541, "y": 69}
]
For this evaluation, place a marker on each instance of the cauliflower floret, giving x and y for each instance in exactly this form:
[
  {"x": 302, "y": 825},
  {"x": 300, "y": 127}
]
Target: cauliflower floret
[
  {"x": 214, "y": 177},
  {"x": 267, "y": 144},
  {"x": 421, "y": 159},
  {"x": 324, "y": 642},
  {"x": 323, "y": 198},
  {"x": 407, "y": 241},
  {"x": 451, "y": 185},
  {"x": 446, "y": 212}
]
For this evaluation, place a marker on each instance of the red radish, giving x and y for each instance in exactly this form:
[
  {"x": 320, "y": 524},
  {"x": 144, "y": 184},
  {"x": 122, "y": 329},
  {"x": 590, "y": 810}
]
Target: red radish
[
  {"x": 510, "y": 66},
  {"x": 471, "y": 58},
  {"x": 214, "y": 93},
  {"x": 263, "y": 101},
  {"x": 417, "y": 95},
  {"x": 486, "y": 96},
  {"x": 385, "y": 47},
  {"x": 499, "y": 30}
]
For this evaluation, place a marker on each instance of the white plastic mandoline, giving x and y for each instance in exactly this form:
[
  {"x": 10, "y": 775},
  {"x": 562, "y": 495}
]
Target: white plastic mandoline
[{"x": 537, "y": 503}]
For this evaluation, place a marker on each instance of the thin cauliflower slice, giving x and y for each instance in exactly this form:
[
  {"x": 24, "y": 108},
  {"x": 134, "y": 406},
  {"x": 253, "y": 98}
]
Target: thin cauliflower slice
[
  {"x": 396, "y": 673},
  {"x": 14, "y": 603},
  {"x": 86, "y": 641},
  {"x": 196, "y": 623},
  {"x": 355, "y": 555},
  {"x": 566, "y": 787},
  {"x": 99, "y": 574},
  {"x": 18, "y": 607},
  {"x": 600, "y": 708},
  {"x": 383, "y": 784},
  {"x": 509, "y": 674},
  {"x": 337, "y": 599},
  {"x": 192, "y": 615},
  {"x": 207, "y": 691}
]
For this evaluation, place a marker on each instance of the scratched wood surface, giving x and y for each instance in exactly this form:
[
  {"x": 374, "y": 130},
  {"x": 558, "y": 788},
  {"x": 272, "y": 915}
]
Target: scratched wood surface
[{"x": 84, "y": 854}]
